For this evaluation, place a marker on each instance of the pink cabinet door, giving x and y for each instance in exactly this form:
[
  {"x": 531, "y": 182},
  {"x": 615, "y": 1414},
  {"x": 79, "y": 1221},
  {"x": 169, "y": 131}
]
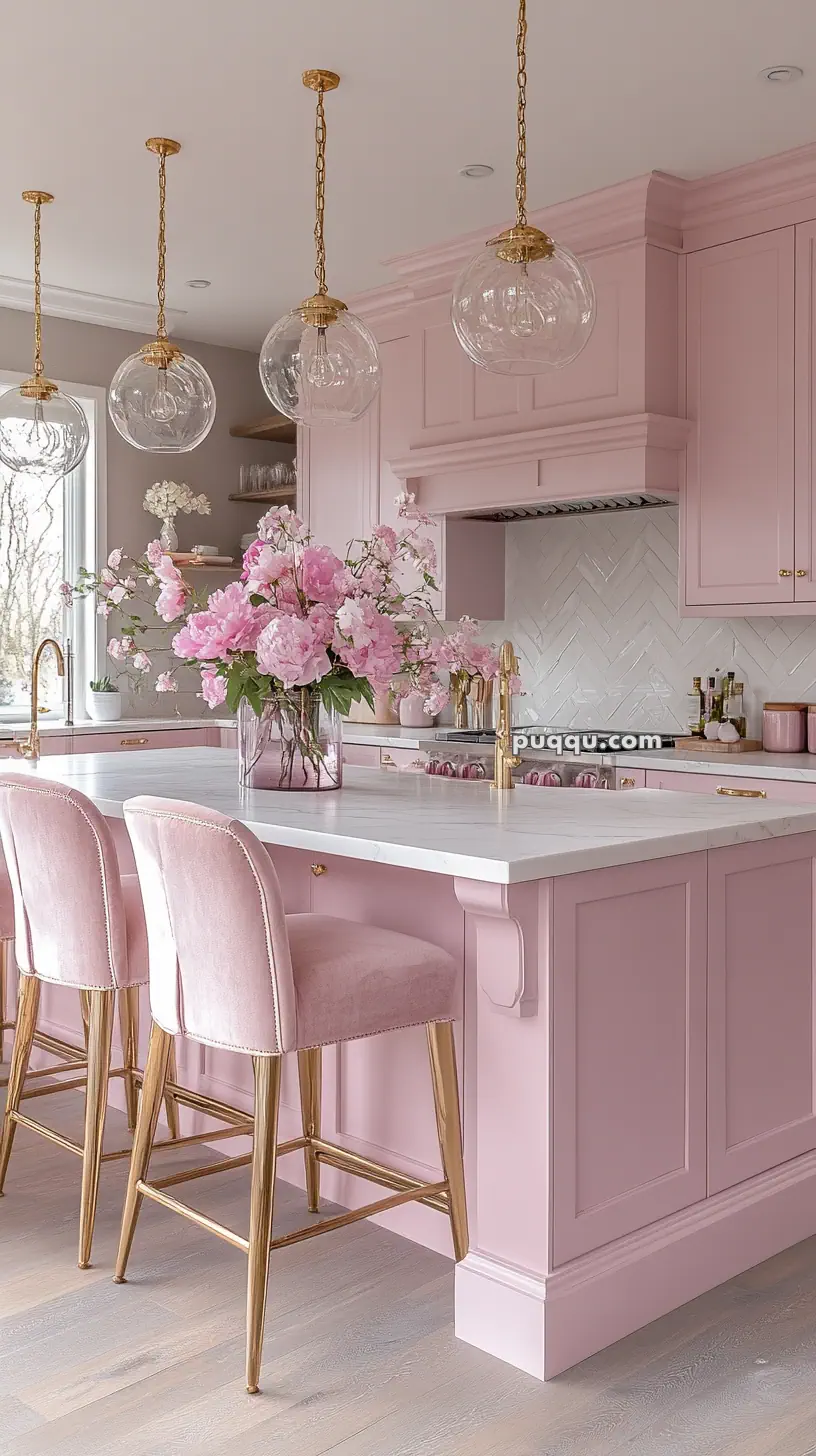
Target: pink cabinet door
[
  {"x": 761, "y": 992},
  {"x": 805, "y": 563},
  {"x": 337, "y": 470},
  {"x": 738, "y": 544},
  {"x": 628, "y": 1046},
  {"x": 123, "y": 741},
  {"x": 364, "y": 755}
]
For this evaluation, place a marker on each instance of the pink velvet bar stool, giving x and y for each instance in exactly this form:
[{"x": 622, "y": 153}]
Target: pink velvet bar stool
[
  {"x": 228, "y": 968},
  {"x": 78, "y": 923}
]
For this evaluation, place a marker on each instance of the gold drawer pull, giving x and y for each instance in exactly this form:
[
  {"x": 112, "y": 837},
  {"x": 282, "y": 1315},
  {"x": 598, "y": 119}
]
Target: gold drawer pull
[
  {"x": 318, "y": 870},
  {"x": 386, "y": 758},
  {"x": 743, "y": 793},
  {"x": 782, "y": 572},
  {"x": 801, "y": 573},
  {"x": 131, "y": 742},
  {"x": 627, "y": 783}
]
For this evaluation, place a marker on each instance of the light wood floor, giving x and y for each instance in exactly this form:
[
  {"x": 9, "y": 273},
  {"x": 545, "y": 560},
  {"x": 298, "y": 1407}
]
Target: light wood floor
[{"x": 360, "y": 1357}]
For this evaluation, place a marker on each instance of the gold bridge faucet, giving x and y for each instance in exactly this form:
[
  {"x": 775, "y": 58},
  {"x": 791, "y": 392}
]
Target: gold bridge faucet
[
  {"x": 30, "y": 747},
  {"x": 504, "y": 759}
]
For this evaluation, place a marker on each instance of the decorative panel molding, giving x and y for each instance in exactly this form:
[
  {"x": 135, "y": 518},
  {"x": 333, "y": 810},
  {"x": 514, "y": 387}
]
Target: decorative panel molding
[{"x": 592, "y": 609}]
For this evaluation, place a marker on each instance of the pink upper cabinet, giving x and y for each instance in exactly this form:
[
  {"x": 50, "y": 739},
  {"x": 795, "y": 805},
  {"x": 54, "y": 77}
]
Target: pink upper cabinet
[
  {"x": 739, "y": 517},
  {"x": 805, "y": 402}
]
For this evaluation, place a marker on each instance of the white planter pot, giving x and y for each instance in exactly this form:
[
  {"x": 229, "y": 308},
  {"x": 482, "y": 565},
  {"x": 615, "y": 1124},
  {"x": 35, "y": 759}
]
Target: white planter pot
[{"x": 104, "y": 707}]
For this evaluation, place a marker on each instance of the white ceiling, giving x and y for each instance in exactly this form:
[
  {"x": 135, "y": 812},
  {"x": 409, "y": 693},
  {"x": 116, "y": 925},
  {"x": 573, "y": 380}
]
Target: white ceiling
[{"x": 615, "y": 89}]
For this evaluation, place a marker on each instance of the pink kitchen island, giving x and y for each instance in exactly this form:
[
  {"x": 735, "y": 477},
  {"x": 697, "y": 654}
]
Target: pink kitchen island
[{"x": 638, "y": 1027}]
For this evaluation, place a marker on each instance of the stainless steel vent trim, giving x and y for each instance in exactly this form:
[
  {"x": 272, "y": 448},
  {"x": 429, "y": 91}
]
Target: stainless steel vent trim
[{"x": 594, "y": 505}]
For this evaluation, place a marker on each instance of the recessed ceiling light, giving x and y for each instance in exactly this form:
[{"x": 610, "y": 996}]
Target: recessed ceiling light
[
  {"x": 476, "y": 169},
  {"x": 198, "y": 282},
  {"x": 782, "y": 75}
]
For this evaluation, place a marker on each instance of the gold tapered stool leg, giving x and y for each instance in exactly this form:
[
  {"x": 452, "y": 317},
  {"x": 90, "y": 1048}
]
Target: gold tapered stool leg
[
  {"x": 101, "y": 1008},
  {"x": 85, "y": 1008},
  {"x": 310, "y": 1068},
  {"x": 28, "y": 1002},
  {"x": 171, "y": 1107},
  {"x": 446, "y": 1101},
  {"x": 129, "y": 1033},
  {"x": 155, "y": 1076},
  {"x": 264, "y": 1154}
]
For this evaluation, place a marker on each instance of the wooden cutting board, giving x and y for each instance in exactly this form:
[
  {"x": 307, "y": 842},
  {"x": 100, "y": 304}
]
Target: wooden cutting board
[{"x": 715, "y": 745}]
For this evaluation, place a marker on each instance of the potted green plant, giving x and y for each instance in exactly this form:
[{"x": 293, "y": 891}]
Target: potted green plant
[{"x": 104, "y": 701}]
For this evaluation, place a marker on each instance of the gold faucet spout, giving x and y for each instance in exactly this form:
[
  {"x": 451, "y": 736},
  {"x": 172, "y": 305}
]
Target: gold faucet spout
[
  {"x": 30, "y": 747},
  {"x": 504, "y": 759}
]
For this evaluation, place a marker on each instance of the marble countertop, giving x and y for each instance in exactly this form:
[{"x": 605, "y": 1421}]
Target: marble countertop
[{"x": 443, "y": 826}]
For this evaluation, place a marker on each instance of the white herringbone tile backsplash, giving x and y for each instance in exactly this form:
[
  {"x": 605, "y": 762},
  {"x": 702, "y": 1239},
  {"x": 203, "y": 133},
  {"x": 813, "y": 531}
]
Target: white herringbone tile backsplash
[{"x": 592, "y": 610}]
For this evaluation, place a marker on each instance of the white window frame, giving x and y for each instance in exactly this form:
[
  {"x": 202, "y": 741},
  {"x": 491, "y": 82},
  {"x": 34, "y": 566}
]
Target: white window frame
[{"x": 85, "y": 523}]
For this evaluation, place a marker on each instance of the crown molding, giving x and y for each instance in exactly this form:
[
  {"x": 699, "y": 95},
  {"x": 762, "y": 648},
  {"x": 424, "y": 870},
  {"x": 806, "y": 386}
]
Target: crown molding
[
  {"x": 727, "y": 199},
  {"x": 627, "y": 432},
  {"x": 86, "y": 308}
]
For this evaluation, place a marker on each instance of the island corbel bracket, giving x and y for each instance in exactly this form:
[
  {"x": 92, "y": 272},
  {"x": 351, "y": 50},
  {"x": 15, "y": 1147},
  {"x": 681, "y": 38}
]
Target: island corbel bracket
[{"x": 501, "y": 922}]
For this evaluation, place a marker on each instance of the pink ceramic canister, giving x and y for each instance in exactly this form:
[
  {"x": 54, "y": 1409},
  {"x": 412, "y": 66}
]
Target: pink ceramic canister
[
  {"x": 811, "y": 728},
  {"x": 783, "y": 727}
]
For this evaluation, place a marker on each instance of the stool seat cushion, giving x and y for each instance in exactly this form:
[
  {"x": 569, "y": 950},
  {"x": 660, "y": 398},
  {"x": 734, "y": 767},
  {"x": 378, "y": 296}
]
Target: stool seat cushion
[{"x": 356, "y": 980}]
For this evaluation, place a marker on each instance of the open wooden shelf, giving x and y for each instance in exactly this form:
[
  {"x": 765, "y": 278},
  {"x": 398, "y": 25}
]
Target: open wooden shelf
[
  {"x": 267, "y": 497},
  {"x": 272, "y": 427}
]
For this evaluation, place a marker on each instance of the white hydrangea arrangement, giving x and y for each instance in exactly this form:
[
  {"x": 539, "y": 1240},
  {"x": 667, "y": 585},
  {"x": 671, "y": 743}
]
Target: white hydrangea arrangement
[{"x": 166, "y": 498}]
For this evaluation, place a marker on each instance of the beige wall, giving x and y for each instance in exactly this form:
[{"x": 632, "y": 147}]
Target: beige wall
[{"x": 89, "y": 354}]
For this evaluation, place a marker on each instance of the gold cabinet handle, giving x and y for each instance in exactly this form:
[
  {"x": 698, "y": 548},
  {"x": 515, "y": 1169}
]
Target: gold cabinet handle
[
  {"x": 627, "y": 783},
  {"x": 801, "y": 573},
  {"x": 318, "y": 870},
  {"x": 743, "y": 793},
  {"x": 783, "y": 572},
  {"x": 131, "y": 742},
  {"x": 385, "y": 758}
]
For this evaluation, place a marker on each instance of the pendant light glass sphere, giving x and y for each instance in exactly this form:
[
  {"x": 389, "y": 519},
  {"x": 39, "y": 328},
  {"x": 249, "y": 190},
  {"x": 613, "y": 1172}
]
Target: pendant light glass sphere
[
  {"x": 320, "y": 374},
  {"x": 167, "y": 407},
  {"x": 527, "y": 316},
  {"x": 44, "y": 437}
]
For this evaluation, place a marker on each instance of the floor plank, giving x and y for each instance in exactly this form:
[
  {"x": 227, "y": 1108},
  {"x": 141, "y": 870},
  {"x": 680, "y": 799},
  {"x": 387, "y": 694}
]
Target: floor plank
[{"x": 359, "y": 1355}]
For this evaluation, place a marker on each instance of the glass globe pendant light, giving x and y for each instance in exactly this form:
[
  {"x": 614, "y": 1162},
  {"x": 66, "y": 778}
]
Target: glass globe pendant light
[
  {"x": 525, "y": 304},
  {"x": 161, "y": 399},
  {"x": 43, "y": 432},
  {"x": 319, "y": 363}
]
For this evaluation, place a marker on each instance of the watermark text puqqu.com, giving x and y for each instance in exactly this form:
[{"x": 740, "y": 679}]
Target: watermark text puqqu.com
[{"x": 577, "y": 742}]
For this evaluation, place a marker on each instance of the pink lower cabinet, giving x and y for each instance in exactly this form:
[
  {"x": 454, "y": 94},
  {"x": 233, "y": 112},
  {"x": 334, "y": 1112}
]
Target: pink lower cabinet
[
  {"x": 628, "y": 1049},
  {"x": 363, "y": 755},
  {"x": 732, "y": 786},
  {"x": 761, "y": 969}
]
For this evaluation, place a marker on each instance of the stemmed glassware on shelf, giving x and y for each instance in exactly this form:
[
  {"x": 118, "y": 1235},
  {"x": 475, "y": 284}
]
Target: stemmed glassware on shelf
[{"x": 280, "y": 477}]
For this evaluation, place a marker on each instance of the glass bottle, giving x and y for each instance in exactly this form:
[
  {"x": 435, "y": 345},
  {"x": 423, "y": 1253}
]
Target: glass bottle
[
  {"x": 694, "y": 701},
  {"x": 709, "y": 702},
  {"x": 736, "y": 710}
]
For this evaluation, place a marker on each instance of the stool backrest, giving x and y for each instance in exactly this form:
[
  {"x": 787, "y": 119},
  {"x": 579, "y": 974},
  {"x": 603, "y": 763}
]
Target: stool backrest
[
  {"x": 69, "y": 911},
  {"x": 220, "y": 968}
]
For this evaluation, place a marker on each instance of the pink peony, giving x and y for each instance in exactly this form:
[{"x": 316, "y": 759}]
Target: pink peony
[
  {"x": 119, "y": 648},
  {"x": 107, "y": 578},
  {"x": 290, "y": 650},
  {"x": 115, "y": 558},
  {"x": 367, "y": 641},
  {"x": 320, "y": 569},
  {"x": 384, "y": 544},
  {"x": 165, "y": 683},
  {"x": 230, "y": 624},
  {"x": 321, "y": 621},
  {"x": 172, "y": 597},
  {"x": 281, "y": 523},
  {"x": 141, "y": 661},
  {"x": 104, "y": 609},
  {"x": 213, "y": 688},
  {"x": 409, "y": 510},
  {"x": 266, "y": 568},
  {"x": 117, "y": 594},
  {"x": 66, "y": 592},
  {"x": 154, "y": 554}
]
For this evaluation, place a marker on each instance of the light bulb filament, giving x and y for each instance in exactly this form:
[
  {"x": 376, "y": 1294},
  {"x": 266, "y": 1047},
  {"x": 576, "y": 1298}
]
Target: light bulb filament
[{"x": 161, "y": 406}]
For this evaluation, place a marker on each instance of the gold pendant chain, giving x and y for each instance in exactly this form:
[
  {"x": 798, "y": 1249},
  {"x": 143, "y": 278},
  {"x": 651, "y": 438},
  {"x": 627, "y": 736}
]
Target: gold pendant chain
[
  {"x": 161, "y": 324},
  {"x": 320, "y": 194},
  {"x": 521, "y": 151},
  {"x": 38, "y": 364}
]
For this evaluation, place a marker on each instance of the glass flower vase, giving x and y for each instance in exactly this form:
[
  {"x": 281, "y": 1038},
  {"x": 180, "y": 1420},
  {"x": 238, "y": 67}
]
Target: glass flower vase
[{"x": 294, "y": 743}]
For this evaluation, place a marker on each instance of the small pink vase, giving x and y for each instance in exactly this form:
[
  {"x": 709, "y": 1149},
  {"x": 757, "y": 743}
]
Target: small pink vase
[{"x": 412, "y": 712}]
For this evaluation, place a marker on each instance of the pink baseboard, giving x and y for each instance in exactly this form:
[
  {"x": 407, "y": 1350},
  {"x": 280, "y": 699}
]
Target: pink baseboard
[{"x": 545, "y": 1324}]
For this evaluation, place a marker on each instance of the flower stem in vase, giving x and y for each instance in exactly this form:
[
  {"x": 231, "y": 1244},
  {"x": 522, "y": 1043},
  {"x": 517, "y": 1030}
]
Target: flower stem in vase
[{"x": 460, "y": 687}]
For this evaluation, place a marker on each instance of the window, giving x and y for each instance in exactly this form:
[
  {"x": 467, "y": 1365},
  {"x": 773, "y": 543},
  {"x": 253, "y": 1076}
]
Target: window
[{"x": 47, "y": 531}]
